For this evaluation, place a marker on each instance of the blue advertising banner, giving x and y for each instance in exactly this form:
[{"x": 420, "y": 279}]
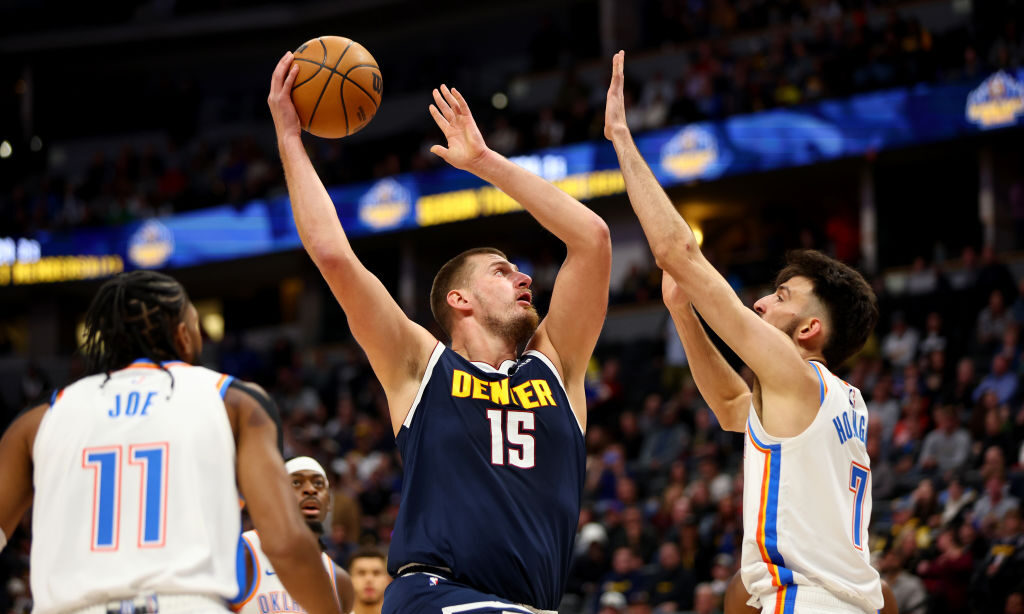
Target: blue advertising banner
[{"x": 773, "y": 139}]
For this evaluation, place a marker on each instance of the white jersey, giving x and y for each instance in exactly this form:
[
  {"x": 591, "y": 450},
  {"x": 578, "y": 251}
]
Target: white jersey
[
  {"x": 135, "y": 489},
  {"x": 806, "y": 504},
  {"x": 266, "y": 594}
]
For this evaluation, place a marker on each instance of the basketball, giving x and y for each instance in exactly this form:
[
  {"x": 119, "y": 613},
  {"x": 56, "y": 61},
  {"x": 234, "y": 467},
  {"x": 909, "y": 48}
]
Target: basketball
[{"x": 338, "y": 88}]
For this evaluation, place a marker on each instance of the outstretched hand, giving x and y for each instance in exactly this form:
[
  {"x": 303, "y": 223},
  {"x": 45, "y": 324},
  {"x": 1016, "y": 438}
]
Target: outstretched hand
[
  {"x": 466, "y": 145},
  {"x": 286, "y": 119},
  {"x": 615, "y": 106}
]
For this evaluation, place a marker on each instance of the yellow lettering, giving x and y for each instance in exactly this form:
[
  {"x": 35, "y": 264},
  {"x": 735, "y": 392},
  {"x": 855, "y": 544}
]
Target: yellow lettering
[
  {"x": 525, "y": 394},
  {"x": 479, "y": 391},
  {"x": 499, "y": 392},
  {"x": 544, "y": 396},
  {"x": 461, "y": 383}
]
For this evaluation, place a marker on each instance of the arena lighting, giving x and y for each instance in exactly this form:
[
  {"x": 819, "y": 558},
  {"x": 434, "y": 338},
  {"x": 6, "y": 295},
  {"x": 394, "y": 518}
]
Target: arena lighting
[
  {"x": 499, "y": 100},
  {"x": 5, "y": 150}
]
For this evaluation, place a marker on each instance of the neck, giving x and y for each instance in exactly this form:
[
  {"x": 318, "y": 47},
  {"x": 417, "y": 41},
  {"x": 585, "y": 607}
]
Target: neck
[
  {"x": 481, "y": 346},
  {"x": 361, "y": 607}
]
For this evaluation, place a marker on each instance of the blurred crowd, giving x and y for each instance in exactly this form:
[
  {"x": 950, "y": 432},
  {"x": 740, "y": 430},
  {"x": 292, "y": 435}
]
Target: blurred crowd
[
  {"x": 661, "y": 525},
  {"x": 741, "y": 57}
]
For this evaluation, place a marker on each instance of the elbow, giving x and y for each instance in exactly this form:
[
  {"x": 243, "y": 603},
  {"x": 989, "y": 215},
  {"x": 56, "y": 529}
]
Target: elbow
[
  {"x": 288, "y": 542},
  {"x": 600, "y": 236},
  {"x": 674, "y": 255}
]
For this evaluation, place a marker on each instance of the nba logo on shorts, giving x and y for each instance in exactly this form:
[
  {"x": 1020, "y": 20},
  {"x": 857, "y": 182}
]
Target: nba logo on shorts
[{"x": 433, "y": 582}]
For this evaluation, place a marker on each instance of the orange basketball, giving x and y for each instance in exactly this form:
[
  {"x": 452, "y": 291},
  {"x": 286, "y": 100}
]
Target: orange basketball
[{"x": 338, "y": 88}]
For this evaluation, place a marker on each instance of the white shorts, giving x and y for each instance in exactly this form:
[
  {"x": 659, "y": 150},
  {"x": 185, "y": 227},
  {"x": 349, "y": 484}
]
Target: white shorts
[
  {"x": 165, "y": 604},
  {"x": 806, "y": 599}
]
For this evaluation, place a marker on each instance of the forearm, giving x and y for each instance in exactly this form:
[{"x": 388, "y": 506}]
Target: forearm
[
  {"x": 722, "y": 388},
  {"x": 668, "y": 234},
  {"x": 316, "y": 217},
  {"x": 562, "y": 215},
  {"x": 302, "y": 572}
]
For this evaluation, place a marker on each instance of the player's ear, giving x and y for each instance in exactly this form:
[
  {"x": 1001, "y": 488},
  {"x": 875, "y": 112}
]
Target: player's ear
[
  {"x": 458, "y": 300},
  {"x": 183, "y": 341},
  {"x": 810, "y": 328}
]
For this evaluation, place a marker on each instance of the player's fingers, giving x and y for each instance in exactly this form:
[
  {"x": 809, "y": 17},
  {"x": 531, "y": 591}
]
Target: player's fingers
[
  {"x": 443, "y": 106},
  {"x": 289, "y": 81},
  {"x": 279, "y": 70},
  {"x": 441, "y": 152},
  {"x": 463, "y": 105},
  {"x": 442, "y": 123},
  {"x": 450, "y": 99}
]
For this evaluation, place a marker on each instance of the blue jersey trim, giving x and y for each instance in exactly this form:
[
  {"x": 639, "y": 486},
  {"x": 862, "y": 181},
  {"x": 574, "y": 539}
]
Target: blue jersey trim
[
  {"x": 225, "y": 384},
  {"x": 245, "y": 588},
  {"x": 771, "y": 533},
  {"x": 821, "y": 383}
]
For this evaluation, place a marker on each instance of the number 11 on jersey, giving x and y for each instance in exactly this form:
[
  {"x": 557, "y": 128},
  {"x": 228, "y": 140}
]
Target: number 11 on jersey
[{"x": 105, "y": 463}]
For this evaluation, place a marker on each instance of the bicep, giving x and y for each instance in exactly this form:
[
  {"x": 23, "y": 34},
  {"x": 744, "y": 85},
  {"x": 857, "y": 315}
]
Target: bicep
[
  {"x": 396, "y": 347},
  {"x": 579, "y": 304},
  {"x": 16, "y": 468}
]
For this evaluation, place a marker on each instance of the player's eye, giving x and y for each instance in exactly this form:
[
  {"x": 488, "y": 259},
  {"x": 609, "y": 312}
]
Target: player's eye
[{"x": 296, "y": 483}]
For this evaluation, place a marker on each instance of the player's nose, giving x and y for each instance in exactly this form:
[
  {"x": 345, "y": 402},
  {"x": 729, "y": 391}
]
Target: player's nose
[
  {"x": 759, "y": 306},
  {"x": 524, "y": 281}
]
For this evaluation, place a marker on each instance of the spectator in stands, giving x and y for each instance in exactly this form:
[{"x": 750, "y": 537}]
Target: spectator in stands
[
  {"x": 705, "y": 601},
  {"x": 996, "y": 502},
  {"x": 947, "y": 447},
  {"x": 624, "y": 576},
  {"x": 612, "y": 602},
  {"x": 934, "y": 338},
  {"x": 885, "y": 406},
  {"x": 909, "y": 590},
  {"x": 955, "y": 499},
  {"x": 993, "y": 321},
  {"x": 946, "y": 575},
  {"x": 1003, "y": 567},
  {"x": 899, "y": 347},
  {"x": 1000, "y": 381},
  {"x": 669, "y": 585}
]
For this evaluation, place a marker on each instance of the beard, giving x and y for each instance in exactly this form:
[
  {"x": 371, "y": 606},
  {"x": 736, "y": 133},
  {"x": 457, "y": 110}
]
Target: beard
[
  {"x": 517, "y": 328},
  {"x": 790, "y": 327},
  {"x": 316, "y": 526}
]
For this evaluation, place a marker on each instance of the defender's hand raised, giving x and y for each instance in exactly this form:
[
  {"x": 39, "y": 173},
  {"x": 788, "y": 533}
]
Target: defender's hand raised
[
  {"x": 466, "y": 145},
  {"x": 615, "y": 106}
]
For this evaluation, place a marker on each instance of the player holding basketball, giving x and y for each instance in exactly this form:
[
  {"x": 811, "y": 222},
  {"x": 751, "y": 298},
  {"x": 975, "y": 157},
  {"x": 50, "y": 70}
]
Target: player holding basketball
[
  {"x": 150, "y": 444},
  {"x": 807, "y": 493},
  {"x": 492, "y": 441},
  {"x": 262, "y": 591}
]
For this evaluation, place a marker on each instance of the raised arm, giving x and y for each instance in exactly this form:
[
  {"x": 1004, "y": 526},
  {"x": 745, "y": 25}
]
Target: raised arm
[
  {"x": 579, "y": 300},
  {"x": 765, "y": 349},
  {"x": 397, "y": 347},
  {"x": 722, "y": 388}
]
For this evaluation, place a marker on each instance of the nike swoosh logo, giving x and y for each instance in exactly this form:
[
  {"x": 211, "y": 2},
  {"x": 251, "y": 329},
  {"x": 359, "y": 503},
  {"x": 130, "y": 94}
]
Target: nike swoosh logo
[{"x": 271, "y": 573}]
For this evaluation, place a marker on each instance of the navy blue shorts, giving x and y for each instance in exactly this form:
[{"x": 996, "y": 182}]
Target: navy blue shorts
[{"x": 422, "y": 593}]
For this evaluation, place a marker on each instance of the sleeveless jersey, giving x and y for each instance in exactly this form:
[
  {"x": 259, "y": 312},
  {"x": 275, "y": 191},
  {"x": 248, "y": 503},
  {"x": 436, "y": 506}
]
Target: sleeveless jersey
[
  {"x": 807, "y": 501},
  {"x": 135, "y": 489},
  {"x": 266, "y": 594},
  {"x": 494, "y": 466}
]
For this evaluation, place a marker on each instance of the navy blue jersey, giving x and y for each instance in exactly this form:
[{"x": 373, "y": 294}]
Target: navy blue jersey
[{"x": 494, "y": 469}]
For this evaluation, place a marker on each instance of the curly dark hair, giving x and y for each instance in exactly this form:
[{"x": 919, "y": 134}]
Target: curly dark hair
[
  {"x": 133, "y": 315},
  {"x": 851, "y": 303}
]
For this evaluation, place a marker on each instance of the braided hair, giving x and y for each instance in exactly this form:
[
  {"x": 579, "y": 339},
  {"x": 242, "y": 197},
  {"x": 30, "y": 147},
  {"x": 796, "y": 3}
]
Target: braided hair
[{"x": 134, "y": 315}]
